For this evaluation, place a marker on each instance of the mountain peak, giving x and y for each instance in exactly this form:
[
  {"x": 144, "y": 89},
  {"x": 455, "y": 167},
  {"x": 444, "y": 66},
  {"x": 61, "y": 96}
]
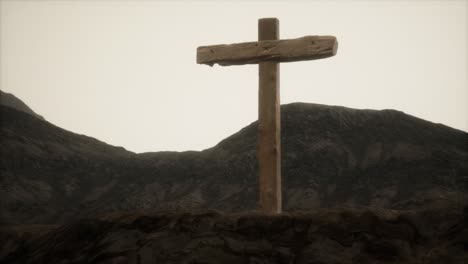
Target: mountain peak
[
  {"x": 12, "y": 101},
  {"x": 331, "y": 156}
]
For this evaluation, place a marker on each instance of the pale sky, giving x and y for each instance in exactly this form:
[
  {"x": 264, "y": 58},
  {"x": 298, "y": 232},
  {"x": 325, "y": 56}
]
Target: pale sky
[{"x": 124, "y": 72}]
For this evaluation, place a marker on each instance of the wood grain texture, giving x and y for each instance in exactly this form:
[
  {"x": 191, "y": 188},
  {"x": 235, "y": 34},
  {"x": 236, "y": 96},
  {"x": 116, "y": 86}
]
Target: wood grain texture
[
  {"x": 269, "y": 122},
  {"x": 287, "y": 50}
]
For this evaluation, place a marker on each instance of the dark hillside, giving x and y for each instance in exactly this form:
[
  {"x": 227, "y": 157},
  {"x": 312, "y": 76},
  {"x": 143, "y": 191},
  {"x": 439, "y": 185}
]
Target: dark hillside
[
  {"x": 332, "y": 156},
  {"x": 7, "y": 99}
]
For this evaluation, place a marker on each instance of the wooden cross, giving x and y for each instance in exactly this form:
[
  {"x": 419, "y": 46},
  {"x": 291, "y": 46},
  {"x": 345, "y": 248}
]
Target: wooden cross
[{"x": 268, "y": 51}]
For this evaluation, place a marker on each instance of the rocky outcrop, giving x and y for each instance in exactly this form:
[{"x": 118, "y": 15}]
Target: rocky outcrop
[
  {"x": 364, "y": 235},
  {"x": 332, "y": 156}
]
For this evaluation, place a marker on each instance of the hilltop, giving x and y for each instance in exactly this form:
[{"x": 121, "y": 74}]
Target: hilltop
[{"x": 332, "y": 156}]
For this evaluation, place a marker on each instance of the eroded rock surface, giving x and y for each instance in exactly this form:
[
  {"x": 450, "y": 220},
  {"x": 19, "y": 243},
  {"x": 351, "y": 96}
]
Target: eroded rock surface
[
  {"x": 331, "y": 156},
  {"x": 325, "y": 236}
]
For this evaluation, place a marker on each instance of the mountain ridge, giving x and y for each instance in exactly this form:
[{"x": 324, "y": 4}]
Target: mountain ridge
[
  {"x": 14, "y": 102},
  {"x": 331, "y": 156}
]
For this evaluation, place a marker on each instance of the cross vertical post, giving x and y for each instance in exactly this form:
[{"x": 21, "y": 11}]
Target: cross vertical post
[
  {"x": 269, "y": 124},
  {"x": 268, "y": 52}
]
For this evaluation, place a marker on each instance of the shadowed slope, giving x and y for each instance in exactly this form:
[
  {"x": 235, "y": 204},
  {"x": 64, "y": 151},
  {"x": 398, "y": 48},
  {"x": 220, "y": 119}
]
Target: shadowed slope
[
  {"x": 12, "y": 101},
  {"x": 331, "y": 156}
]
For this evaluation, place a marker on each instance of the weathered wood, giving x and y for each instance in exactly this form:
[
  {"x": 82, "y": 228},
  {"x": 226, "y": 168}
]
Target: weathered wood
[
  {"x": 269, "y": 125},
  {"x": 268, "y": 52},
  {"x": 287, "y": 50}
]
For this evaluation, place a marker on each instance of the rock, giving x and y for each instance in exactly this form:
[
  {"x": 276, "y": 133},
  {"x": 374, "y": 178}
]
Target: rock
[
  {"x": 364, "y": 235},
  {"x": 332, "y": 156}
]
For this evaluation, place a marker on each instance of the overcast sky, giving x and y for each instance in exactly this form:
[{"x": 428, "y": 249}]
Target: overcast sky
[{"x": 124, "y": 72}]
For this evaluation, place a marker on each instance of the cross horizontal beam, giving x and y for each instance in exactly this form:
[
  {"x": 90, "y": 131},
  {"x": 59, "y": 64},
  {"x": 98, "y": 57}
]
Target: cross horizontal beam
[{"x": 286, "y": 50}]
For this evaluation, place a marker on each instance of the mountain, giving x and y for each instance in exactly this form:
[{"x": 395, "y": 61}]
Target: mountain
[
  {"x": 332, "y": 156},
  {"x": 47, "y": 171},
  {"x": 12, "y": 101}
]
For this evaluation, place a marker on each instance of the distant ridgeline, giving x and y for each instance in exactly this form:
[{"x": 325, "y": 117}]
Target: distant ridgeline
[
  {"x": 12, "y": 101},
  {"x": 332, "y": 156}
]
